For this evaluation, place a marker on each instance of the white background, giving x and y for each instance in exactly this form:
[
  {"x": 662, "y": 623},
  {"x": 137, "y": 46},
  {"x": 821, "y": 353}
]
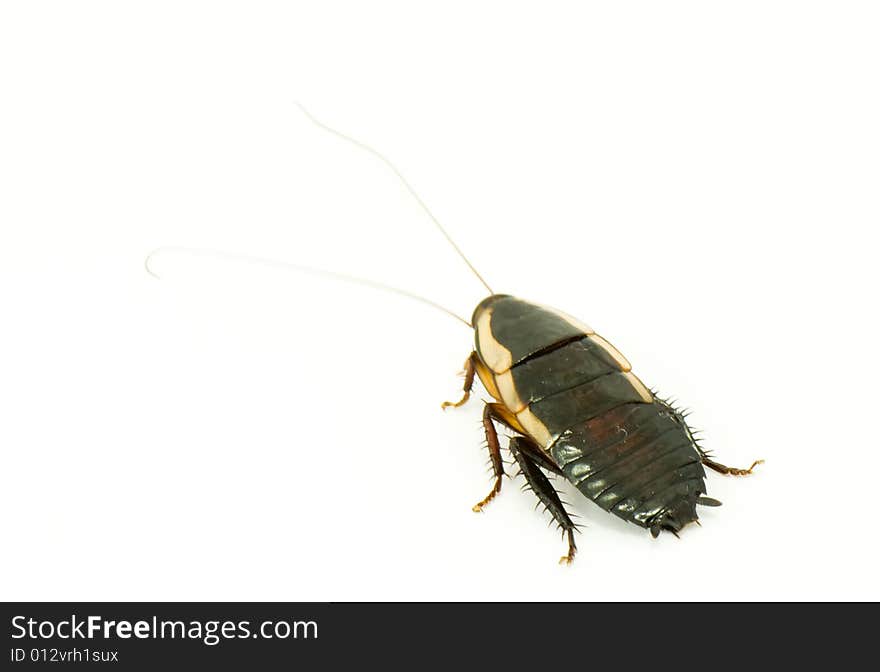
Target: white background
[{"x": 698, "y": 181}]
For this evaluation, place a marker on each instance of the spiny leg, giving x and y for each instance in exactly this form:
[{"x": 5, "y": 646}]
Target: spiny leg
[
  {"x": 469, "y": 370},
  {"x": 704, "y": 456},
  {"x": 495, "y": 412},
  {"x": 494, "y": 455},
  {"x": 542, "y": 487},
  {"x": 533, "y": 451}
]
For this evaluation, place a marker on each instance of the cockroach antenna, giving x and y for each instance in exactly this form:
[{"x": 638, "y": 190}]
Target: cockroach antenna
[
  {"x": 343, "y": 276},
  {"x": 404, "y": 181},
  {"x": 273, "y": 263}
]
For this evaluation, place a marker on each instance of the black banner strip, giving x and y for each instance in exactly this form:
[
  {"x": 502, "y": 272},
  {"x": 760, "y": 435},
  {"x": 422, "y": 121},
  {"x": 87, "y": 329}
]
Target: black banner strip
[{"x": 146, "y": 635}]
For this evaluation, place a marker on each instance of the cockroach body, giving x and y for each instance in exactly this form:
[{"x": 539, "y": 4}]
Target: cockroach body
[{"x": 578, "y": 411}]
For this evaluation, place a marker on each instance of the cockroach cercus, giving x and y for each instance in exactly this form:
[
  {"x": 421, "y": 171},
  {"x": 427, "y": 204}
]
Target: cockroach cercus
[{"x": 574, "y": 406}]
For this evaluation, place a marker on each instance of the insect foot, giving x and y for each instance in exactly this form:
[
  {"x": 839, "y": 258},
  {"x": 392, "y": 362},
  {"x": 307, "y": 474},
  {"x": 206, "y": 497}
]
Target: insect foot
[
  {"x": 478, "y": 507},
  {"x": 572, "y": 550},
  {"x": 456, "y": 404},
  {"x": 746, "y": 472},
  {"x": 469, "y": 372},
  {"x": 730, "y": 471}
]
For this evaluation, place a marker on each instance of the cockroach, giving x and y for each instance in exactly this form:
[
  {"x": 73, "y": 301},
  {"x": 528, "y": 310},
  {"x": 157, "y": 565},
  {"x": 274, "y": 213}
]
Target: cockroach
[
  {"x": 578, "y": 411},
  {"x": 575, "y": 409}
]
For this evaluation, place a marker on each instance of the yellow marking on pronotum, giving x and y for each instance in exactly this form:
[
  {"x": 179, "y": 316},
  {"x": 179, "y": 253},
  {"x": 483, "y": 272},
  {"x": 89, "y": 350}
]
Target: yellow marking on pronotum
[
  {"x": 497, "y": 357},
  {"x": 507, "y": 389}
]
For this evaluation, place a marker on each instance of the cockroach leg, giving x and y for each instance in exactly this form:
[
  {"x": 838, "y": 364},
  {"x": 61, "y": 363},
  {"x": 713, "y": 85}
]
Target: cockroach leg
[
  {"x": 494, "y": 455},
  {"x": 541, "y": 486},
  {"x": 732, "y": 471},
  {"x": 469, "y": 371},
  {"x": 534, "y": 452},
  {"x": 568, "y": 558},
  {"x": 704, "y": 456}
]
